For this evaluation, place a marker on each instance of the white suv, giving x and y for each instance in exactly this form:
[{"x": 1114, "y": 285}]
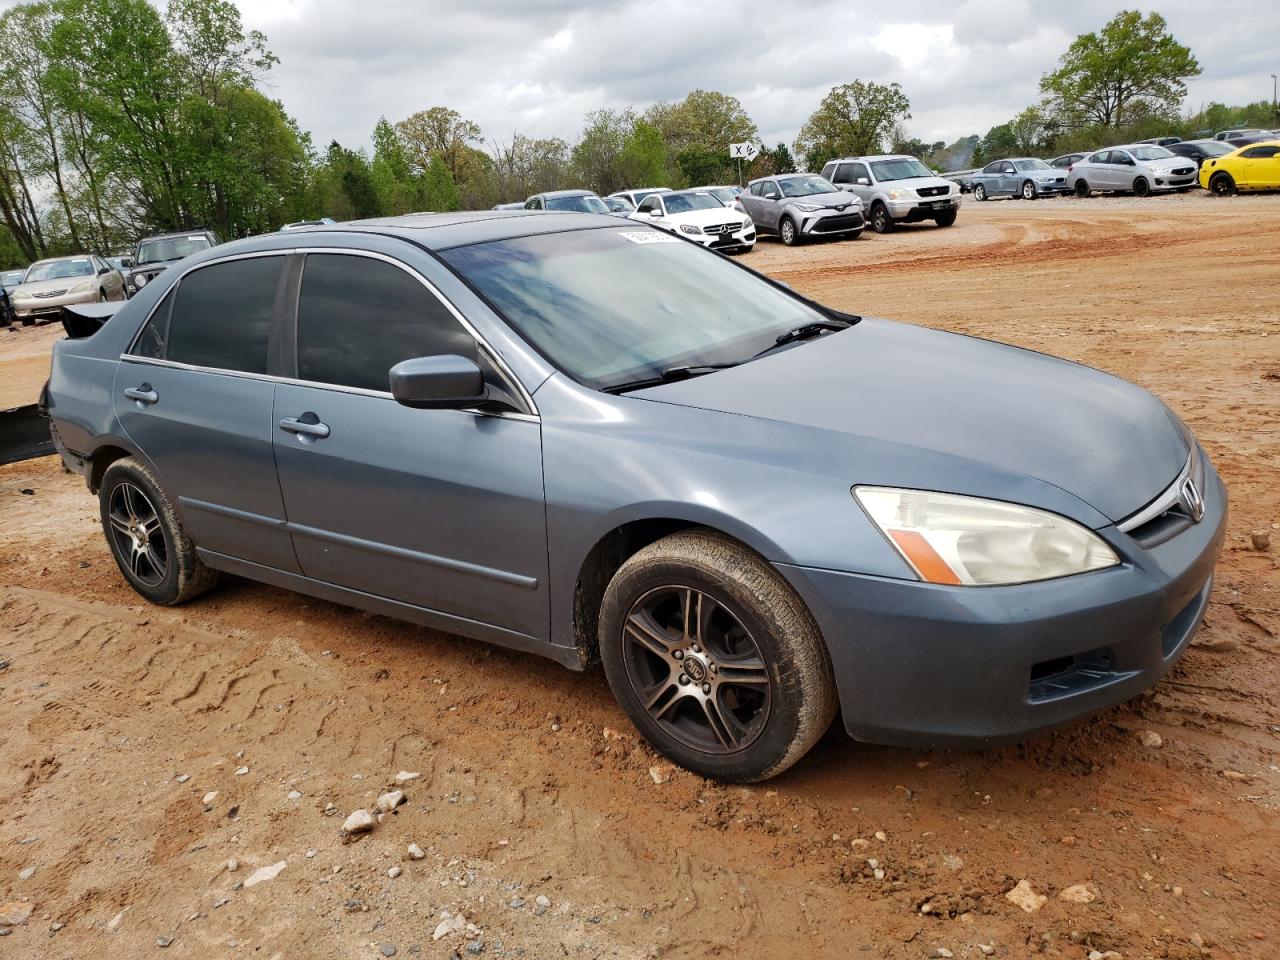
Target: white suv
[{"x": 896, "y": 188}]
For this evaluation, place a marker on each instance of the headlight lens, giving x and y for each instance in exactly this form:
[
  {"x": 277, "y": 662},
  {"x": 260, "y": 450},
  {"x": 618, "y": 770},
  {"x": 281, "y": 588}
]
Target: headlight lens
[
  {"x": 747, "y": 224},
  {"x": 689, "y": 228},
  {"x": 968, "y": 541},
  {"x": 139, "y": 281},
  {"x": 901, "y": 194},
  {"x": 84, "y": 286},
  {"x": 808, "y": 207}
]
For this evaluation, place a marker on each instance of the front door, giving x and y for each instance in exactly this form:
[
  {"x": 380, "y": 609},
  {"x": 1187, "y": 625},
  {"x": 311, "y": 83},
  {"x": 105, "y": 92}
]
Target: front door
[
  {"x": 1262, "y": 166},
  {"x": 441, "y": 509},
  {"x": 193, "y": 396}
]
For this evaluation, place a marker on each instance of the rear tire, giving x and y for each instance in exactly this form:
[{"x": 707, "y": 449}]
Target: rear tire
[
  {"x": 1082, "y": 189},
  {"x": 1141, "y": 188},
  {"x": 751, "y": 640},
  {"x": 980, "y": 192},
  {"x": 788, "y": 232},
  {"x": 147, "y": 539},
  {"x": 945, "y": 219},
  {"x": 1222, "y": 185}
]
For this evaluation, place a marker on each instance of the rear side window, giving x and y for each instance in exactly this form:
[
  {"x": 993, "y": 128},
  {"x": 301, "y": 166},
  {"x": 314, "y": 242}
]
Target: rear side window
[
  {"x": 222, "y": 315},
  {"x": 151, "y": 341},
  {"x": 358, "y": 317}
]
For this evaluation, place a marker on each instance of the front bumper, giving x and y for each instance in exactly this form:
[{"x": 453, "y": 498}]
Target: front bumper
[
  {"x": 831, "y": 223},
  {"x": 1173, "y": 181},
  {"x": 38, "y": 308},
  {"x": 925, "y": 208},
  {"x": 1052, "y": 186},
  {"x": 741, "y": 239},
  {"x": 919, "y": 664}
]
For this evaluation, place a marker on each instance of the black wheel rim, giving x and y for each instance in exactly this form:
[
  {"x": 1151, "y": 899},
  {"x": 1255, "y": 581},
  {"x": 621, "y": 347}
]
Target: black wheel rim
[
  {"x": 696, "y": 670},
  {"x": 137, "y": 535}
]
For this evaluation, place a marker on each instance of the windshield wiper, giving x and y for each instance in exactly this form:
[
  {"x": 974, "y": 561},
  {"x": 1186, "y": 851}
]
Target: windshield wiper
[
  {"x": 806, "y": 331},
  {"x": 670, "y": 375}
]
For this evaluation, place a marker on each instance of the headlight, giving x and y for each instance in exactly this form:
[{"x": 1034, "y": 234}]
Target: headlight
[
  {"x": 902, "y": 194},
  {"x": 968, "y": 541},
  {"x": 808, "y": 207},
  {"x": 139, "y": 281},
  {"x": 747, "y": 224},
  {"x": 84, "y": 286},
  {"x": 689, "y": 228}
]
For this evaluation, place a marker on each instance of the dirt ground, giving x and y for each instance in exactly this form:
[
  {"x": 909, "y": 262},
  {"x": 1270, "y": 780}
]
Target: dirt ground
[{"x": 119, "y": 719}]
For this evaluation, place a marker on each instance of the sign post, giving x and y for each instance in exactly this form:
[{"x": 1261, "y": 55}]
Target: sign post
[{"x": 743, "y": 151}]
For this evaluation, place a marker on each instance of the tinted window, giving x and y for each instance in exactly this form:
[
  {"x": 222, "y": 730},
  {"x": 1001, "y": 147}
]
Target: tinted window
[
  {"x": 860, "y": 171},
  {"x": 1255, "y": 153},
  {"x": 150, "y": 342},
  {"x": 358, "y": 317},
  {"x": 222, "y": 315}
]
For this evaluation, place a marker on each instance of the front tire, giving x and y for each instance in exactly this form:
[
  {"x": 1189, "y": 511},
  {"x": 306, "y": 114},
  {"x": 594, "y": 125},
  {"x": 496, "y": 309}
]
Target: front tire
[
  {"x": 1029, "y": 191},
  {"x": 946, "y": 219},
  {"x": 788, "y": 232},
  {"x": 715, "y": 658},
  {"x": 1222, "y": 185},
  {"x": 1141, "y": 188},
  {"x": 147, "y": 539},
  {"x": 980, "y": 193},
  {"x": 881, "y": 222}
]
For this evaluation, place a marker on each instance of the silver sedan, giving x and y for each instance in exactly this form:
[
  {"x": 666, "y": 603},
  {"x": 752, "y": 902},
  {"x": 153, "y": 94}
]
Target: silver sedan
[
  {"x": 1024, "y": 177},
  {"x": 50, "y": 285},
  {"x": 1140, "y": 169}
]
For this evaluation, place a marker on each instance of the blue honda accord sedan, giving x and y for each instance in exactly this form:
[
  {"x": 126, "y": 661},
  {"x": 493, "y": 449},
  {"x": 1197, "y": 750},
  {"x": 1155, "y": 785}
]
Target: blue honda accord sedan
[{"x": 598, "y": 442}]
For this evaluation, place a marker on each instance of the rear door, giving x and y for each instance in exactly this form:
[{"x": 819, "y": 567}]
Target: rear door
[
  {"x": 440, "y": 509},
  {"x": 193, "y": 393}
]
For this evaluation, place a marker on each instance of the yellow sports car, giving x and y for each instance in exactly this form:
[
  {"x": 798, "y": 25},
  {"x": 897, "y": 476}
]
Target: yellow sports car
[{"x": 1255, "y": 167}]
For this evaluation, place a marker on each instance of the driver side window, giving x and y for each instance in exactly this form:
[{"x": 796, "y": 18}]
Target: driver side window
[
  {"x": 358, "y": 317},
  {"x": 648, "y": 205},
  {"x": 770, "y": 190}
]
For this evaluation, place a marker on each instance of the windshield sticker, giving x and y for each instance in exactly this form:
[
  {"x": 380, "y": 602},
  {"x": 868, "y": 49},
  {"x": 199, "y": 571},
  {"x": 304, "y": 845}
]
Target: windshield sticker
[{"x": 648, "y": 236}]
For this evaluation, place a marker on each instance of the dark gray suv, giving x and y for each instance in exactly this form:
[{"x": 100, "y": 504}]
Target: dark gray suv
[{"x": 593, "y": 440}]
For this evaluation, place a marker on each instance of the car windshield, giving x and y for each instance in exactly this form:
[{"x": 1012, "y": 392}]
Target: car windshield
[
  {"x": 163, "y": 249},
  {"x": 685, "y": 202},
  {"x": 619, "y": 204},
  {"x": 11, "y": 279},
  {"x": 639, "y": 195},
  {"x": 60, "y": 270},
  {"x": 682, "y": 306},
  {"x": 725, "y": 195},
  {"x": 1151, "y": 153},
  {"x": 1215, "y": 148},
  {"x": 586, "y": 203},
  {"x": 903, "y": 169},
  {"x": 805, "y": 186},
  {"x": 1031, "y": 165}
]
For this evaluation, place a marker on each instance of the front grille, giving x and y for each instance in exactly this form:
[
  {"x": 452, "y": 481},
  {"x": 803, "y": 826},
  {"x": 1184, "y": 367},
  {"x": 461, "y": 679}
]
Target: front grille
[
  {"x": 850, "y": 221},
  {"x": 933, "y": 191},
  {"x": 1183, "y": 171},
  {"x": 50, "y": 293},
  {"x": 1167, "y": 515},
  {"x": 718, "y": 228}
]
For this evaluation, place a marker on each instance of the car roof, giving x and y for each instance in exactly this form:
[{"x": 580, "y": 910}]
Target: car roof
[
  {"x": 175, "y": 233},
  {"x": 439, "y": 231},
  {"x": 86, "y": 256},
  {"x": 565, "y": 193}
]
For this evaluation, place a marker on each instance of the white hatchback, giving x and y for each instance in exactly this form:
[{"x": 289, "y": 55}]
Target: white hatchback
[{"x": 698, "y": 216}]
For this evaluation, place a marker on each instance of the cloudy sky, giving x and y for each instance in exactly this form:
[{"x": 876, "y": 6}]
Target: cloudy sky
[{"x": 537, "y": 66}]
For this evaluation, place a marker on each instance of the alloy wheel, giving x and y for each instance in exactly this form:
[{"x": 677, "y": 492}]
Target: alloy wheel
[
  {"x": 1028, "y": 191},
  {"x": 137, "y": 534},
  {"x": 788, "y": 232},
  {"x": 980, "y": 193},
  {"x": 696, "y": 669}
]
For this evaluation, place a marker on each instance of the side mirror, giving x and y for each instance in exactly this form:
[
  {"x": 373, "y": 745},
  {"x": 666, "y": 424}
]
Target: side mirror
[
  {"x": 863, "y": 181},
  {"x": 103, "y": 270},
  {"x": 441, "y": 382},
  {"x": 655, "y": 213}
]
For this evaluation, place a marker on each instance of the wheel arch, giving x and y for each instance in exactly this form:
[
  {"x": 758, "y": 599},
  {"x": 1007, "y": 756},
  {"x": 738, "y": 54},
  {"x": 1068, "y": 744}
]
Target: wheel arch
[
  {"x": 624, "y": 539},
  {"x": 108, "y": 450}
]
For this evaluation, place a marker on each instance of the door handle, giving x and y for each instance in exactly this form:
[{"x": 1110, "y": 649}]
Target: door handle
[
  {"x": 313, "y": 429},
  {"x": 143, "y": 394}
]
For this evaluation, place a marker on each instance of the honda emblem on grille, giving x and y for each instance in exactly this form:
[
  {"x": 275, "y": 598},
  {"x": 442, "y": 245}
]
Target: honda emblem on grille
[{"x": 1191, "y": 500}]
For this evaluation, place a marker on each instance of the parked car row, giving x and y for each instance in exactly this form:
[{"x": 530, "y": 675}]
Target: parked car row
[{"x": 39, "y": 292}]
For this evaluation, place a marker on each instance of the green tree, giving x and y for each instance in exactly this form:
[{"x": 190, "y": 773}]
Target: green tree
[
  {"x": 399, "y": 190},
  {"x": 439, "y": 132},
  {"x": 700, "y": 166},
  {"x": 643, "y": 160},
  {"x": 529, "y": 165},
  {"x": 853, "y": 119},
  {"x": 595, "y": 161},
  {"x": 1132, "y": 61},
  {"x": 439, "y": 189}
]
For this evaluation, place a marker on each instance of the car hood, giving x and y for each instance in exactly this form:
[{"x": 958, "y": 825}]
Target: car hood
[
  {"x": 841, "y": 198},
  {"x": 37, "y": 287},
  {"x": 702, "y": 218},
  {"x": 911, "y": 390},
  {"x": 151, "y": 268},
  {"x": 1167, "y": 166},
  {"x": 915, "y": 183}
]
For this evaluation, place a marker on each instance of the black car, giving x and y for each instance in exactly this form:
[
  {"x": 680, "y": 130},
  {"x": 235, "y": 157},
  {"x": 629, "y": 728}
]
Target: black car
[
  {"x": 1200, "y": 150},
  {"x": 153, "y": 254},
  {"x": 9, "y": 279}
]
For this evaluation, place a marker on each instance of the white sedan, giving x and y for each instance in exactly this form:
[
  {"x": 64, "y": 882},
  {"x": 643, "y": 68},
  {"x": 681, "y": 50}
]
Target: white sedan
[{"x": 698, "y": 216}]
